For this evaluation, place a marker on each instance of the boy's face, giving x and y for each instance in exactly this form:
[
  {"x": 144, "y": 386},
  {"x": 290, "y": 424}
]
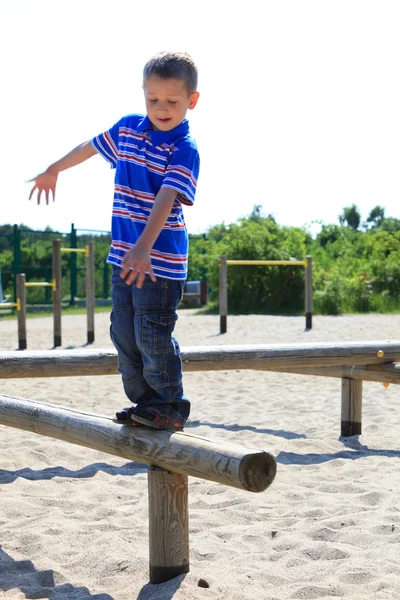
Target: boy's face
[{"x": 167, "y": 101}]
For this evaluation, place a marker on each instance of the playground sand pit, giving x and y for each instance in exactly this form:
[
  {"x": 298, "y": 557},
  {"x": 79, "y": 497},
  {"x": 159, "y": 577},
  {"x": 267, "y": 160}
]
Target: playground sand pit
[{"x": 74, "y": 521}]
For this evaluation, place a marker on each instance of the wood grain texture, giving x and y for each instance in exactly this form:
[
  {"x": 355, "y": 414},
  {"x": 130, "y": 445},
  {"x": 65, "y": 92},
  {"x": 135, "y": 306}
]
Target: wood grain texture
[
  {"x": 351, "y": 407},
  {"x": 57, "y": 292},
  {"x": 230, "y": 464},
  {"x": 388, "y": 372},
  {"x": 90, "y": 299},
  {"x": 223, "y": 294},
  {"x": 69, "y": 363},
  {"x": 21, "y": 295},
  {"x": 168, "y": 524}
]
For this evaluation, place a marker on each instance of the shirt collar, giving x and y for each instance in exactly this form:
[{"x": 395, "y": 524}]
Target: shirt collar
[{"x": 162, "y": 137}]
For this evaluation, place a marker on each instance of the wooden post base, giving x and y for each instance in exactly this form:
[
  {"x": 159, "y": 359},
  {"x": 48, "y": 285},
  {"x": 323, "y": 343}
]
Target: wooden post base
[
  {"x": 351, "y": 407},
  {"x": 168, "y": 524}
]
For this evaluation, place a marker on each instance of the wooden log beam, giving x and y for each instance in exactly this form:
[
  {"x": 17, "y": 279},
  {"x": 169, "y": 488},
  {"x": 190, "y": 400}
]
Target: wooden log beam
[
  {"x": 237, "y": 466},
  {"x": 386, "y": 373},
  {"x": 68, "y": 363}
]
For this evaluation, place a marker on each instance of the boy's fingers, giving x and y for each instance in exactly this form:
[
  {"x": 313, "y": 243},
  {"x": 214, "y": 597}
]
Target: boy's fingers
[
  {"x": 139, "y": 281},
  {"x": 131, "y": 278},
  {"x": 32, "y": 191},
  {"x": 151, "y": 273}
]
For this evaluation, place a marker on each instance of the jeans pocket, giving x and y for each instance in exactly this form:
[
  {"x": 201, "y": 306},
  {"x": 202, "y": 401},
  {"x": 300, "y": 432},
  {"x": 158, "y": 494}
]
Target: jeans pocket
[{"x": 157, "y": 333}]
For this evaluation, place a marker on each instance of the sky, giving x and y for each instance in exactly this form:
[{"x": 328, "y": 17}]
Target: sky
[{"x": 299, "y": 108}]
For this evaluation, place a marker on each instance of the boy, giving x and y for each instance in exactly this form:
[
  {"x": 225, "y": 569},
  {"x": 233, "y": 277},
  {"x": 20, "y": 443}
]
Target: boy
[{"x": 157, "y": 165}]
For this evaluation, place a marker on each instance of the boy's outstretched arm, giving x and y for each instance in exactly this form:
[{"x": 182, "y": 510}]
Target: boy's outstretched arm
[
  {"x": 46, "y": 182},
  {"x": 137, "y": 260}
]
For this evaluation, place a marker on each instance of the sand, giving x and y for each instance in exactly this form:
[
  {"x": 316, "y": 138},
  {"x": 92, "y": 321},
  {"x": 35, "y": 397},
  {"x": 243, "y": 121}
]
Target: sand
[{"x": 74, "y": 522}]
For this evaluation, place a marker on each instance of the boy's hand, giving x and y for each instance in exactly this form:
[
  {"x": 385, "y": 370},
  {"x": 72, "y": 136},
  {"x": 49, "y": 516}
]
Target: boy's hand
[
  {"x": 45, "y": 182},
  {"x": 135, "y": 264}
]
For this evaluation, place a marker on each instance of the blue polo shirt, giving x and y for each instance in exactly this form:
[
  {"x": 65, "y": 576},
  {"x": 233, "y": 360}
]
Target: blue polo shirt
[{"x": 145, "y": 161}]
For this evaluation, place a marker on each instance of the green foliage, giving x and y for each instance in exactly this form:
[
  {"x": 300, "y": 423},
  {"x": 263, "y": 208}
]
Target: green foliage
[
  {"x": 375, "y": 217},
  {"x": 351, "y": 216},
  {"x": 257, "y": 289},
  {"x": 354, "y": 270},
  {"x": 36, "y": 262}
]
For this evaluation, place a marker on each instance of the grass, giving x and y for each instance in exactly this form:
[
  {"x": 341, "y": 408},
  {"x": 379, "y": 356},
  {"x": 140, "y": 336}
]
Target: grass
[{"x": 69, "y": 310}]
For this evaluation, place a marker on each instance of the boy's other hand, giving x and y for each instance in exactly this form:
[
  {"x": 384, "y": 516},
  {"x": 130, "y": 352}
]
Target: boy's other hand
[
  {"x": 135, "y": 264},
  {"x": 44, "y": 183}
]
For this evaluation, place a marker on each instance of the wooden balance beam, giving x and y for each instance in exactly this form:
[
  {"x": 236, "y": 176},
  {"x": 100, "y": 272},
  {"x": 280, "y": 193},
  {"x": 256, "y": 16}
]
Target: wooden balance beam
[
  {"x": 353, "y": 362},
  {"x": 172, "y": 458},
  {"x": 70, "y": 363}
]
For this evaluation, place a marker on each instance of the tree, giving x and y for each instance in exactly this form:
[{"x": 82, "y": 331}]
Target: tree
[
  {"x": 376, "y": 216},
  {"x": 350, "y": 215}
]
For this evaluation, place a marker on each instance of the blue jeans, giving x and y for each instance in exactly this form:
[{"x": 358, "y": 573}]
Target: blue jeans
[{"x": 149, "y": 360}]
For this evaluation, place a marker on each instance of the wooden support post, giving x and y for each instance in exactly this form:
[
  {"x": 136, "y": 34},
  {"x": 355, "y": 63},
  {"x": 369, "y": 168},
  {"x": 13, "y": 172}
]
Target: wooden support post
[
  {"x": 308, "y": 292},
  {"x": 223, "y": 295},
  {"x": 203, "y": 292},
  {"x": 351, "y": 407},
  {"x": 57, "y": 292},
  {"x": 90, "y": 292},
  {"x": 168, "y": 524},
  {"x": 171, "y": 456},
  {"x": 21, "y": 310}
]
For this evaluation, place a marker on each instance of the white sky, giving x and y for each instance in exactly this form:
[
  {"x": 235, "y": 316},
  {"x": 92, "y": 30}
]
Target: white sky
[{"x": 302, "y": 95}]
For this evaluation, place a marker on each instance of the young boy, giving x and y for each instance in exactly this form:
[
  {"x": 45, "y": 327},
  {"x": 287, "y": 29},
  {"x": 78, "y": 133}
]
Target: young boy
[{"x": 157, "y": 165}]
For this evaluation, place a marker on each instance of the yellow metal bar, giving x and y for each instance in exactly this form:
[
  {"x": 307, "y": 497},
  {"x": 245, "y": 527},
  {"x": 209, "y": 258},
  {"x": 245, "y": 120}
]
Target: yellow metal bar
[
  {"x": 74, "y": 250},
  {"x": 293, "y": 263},
  {"x": 38, "y": 284},
  {"x": 8, "y": 305}
]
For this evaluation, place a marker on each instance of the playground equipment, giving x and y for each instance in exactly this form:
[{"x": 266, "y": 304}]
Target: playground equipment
[
  {"x": 352, "y": 362},
  {"x": 172, "y": 458},
  {"x": 55, "y": 284},
  {"x": 89, "y": 253},
  {"x": 223, "y": 284}
]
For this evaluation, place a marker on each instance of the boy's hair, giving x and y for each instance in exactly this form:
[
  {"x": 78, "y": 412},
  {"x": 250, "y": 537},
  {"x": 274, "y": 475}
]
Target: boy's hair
[{"x": 173, "y": 65}]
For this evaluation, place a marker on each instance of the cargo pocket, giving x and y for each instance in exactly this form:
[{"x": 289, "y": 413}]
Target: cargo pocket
[{"x": 156, "y": 333}]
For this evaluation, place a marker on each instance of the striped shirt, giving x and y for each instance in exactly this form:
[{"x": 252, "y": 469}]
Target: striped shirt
[{"x": 145, "y": 161}]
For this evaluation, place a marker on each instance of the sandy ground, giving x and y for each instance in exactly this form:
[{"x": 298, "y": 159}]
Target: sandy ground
[{"x": 74, "y": 522}]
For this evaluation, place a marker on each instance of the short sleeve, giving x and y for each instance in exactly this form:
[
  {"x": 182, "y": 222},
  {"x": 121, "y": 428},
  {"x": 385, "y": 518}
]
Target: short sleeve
[
  {"x": 182, "y": 172},
  {"x": 106, "y": 144}
]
